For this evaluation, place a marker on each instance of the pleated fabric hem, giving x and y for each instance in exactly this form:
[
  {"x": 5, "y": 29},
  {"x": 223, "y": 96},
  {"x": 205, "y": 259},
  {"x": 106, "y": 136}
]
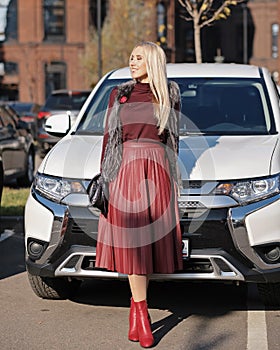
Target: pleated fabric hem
[{"x": 141, "y": 234}]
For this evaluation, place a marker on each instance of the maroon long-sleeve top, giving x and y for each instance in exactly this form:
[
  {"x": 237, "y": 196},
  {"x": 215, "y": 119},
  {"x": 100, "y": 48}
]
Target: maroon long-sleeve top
[{"x": 137, "y": 116}]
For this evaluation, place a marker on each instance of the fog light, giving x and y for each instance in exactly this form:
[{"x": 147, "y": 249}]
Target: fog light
[
  {"x": 273, "y": 254},
  {"x": 35, "y": 248},
  {"x": 269, "y": 253}
]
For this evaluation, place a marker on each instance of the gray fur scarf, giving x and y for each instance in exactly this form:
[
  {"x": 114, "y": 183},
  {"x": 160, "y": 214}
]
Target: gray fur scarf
[{"x": 113, "y": 153}]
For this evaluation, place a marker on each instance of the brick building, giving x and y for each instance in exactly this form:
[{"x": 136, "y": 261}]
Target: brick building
[
  {"x": 265, "y": 14},
  {"x": 42, "y": 41}
]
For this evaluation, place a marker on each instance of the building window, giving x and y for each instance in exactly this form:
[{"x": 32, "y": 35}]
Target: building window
[
  {"x": 161, "y": 24},
  {"x": 54, "y": 20},
  {"x": 8, "y": 68},
  {"x": 274, "y": 33},
  {"x": 55, "y": 77},
  {"x": 11, "y": 32},
  {"x": 8, "y": 20},
  {"x": 11, "y": 68}
]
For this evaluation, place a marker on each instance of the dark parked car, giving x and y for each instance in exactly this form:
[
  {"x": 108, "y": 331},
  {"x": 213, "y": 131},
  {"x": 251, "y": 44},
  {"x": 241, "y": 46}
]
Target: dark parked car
[
  {"x": 17, "y": 149},
  {"x": 1, "y": 181},
  {"x": 59, "y": 101},
  {"x": 28, "y": 112}
]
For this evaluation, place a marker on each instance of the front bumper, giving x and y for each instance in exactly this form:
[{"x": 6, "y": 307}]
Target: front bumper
[{"x": 223, "y": 244}]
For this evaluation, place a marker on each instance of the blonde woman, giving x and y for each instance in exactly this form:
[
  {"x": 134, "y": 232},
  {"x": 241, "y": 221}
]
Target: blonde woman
[{"x": 141, "y": 233}]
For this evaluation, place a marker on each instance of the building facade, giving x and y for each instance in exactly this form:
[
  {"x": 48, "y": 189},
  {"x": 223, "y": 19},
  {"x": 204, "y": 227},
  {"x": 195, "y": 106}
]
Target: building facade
[
  {"x": 265, "y": 14},
  {"x": 41, "y": 45},
  {"x": 42, "y": 41}
]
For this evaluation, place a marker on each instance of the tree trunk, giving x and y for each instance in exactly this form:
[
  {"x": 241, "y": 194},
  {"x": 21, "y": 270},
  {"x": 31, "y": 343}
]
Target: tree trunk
[{"x": 197, "y": 43}]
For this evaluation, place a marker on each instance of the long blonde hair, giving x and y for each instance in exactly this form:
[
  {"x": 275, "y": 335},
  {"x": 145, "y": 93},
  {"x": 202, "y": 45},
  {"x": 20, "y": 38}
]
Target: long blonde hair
[{"x": 156, "y": 70}]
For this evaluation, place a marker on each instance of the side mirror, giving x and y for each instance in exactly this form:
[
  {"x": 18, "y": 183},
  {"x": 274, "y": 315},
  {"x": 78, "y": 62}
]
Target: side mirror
[{"x": 58, "y": 124}]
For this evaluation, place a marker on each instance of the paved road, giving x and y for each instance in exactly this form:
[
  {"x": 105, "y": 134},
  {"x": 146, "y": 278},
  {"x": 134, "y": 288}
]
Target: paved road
[{"x": 200, "y": 316}]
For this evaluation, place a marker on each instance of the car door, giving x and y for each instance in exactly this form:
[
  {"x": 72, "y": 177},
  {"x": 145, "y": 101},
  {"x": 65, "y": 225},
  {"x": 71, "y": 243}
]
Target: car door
[
  {"x": 1, "y": 165},
  {"x": 12, "y": 145}
]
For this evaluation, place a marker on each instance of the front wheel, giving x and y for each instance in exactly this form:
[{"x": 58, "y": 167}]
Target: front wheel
[
  {"x": 27, "y": 179},
  {"x": 1, "y": 181},
  {"x": 53, "y": 288},
  {"x": 270, "y": 293}
]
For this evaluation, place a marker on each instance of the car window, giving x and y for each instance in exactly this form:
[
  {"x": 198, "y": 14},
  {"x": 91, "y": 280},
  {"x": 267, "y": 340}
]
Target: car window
[
  {"x": 211, "y": 106},
  {"x": 62, "y": 101},
  {"x": 23, "y": 107}
]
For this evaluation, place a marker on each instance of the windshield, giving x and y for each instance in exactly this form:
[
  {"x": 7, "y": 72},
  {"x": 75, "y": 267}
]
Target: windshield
[
  {"x": 93, "y": 121},
  {"x": 210, "y": 106}
]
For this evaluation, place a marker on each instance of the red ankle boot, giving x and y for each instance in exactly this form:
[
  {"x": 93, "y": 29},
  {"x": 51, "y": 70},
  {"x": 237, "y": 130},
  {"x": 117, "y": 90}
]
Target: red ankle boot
[
  {"x": 145, "y": 335},
  {"x": 133, "y": 331}
]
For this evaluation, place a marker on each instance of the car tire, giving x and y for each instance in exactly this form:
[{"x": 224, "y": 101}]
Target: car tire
[
  {"x": 270, "y": 293},
  {"x": 27, "y": 179},
  {"x": 53, "y": 288}
]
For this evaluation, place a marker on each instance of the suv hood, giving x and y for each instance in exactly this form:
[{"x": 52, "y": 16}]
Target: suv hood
[
  {"x": 201, "y": 158},
  {"x": 226, "y": 157},
  {"x": 76, "y": 157}
]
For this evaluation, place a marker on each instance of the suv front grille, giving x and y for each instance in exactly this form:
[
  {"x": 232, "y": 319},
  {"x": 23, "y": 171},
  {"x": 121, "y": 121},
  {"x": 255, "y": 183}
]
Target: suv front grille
[
  {"x": 83, "y": 228},
  {"x": 79, "y": 228},
  {"x": 197, "y": 266},
  {"x": 192, "y": 184},
  {"x": 211, "y": 232}
]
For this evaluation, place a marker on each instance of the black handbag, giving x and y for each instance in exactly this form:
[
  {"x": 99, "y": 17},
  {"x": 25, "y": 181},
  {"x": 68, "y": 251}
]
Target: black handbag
[{"x": 98, "y": 193}]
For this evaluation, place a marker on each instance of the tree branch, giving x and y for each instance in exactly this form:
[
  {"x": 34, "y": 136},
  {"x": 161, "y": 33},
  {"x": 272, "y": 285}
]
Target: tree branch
[
  {"x": 187, "y": 5},
  {"x": 217, "y": 13},
  {"x": 186, "y": 18}
]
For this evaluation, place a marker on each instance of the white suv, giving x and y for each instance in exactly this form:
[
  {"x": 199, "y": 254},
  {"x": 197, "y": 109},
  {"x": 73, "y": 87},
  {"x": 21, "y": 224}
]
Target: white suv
[{"x": 230, "y": 195}]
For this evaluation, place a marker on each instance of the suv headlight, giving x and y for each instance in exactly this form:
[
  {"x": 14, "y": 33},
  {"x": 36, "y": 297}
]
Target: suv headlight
[
  {"x": 56, "y": 188},
  {"x": 246, "y": 191}
]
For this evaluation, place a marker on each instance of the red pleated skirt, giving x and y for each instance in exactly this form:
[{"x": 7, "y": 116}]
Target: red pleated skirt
[{"x": 141, "y": 234}]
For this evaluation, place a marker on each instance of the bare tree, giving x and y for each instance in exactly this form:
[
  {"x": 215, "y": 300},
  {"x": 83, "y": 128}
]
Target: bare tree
[
  {"x": 127, "y": 23},
  {"x": 204, "y": 13}
]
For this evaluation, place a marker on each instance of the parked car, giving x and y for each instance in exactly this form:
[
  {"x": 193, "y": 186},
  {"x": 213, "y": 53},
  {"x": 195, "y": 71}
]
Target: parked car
[
  {"x": 27, "y": 112},
  {"x": 230, "y": 195},
  {"x": 1, "y": 181},
  {"x": 17, "y": 149},
  {"x": 57, "y": 102}
]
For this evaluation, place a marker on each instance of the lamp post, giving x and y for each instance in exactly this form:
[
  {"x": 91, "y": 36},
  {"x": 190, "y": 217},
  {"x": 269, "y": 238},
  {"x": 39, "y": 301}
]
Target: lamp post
[
  {"x": 245, "y": 33},
  {"x": 99, "y": 39}
]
